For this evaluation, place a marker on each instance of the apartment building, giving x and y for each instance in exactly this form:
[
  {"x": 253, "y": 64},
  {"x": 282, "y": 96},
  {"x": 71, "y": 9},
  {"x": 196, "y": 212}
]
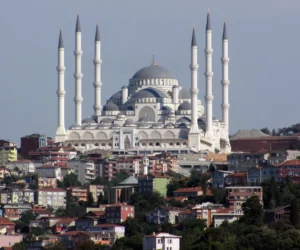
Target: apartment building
[
  {"x": 161, "y": 241},
  {"x": 8, "y": 152},
  {"x": 24, "y": 167},
  {"x": 53, "y": 171},
  {"x": 79, "y": 193},
  {"x": 236, "y": 196},
  {"x": 14, "y": 212},
  {"x": 52, "y": 197},
  {"x": 106, "y": 232},
  {"x": 96, "y": 190},
  {"x": 118, "y": 213}
]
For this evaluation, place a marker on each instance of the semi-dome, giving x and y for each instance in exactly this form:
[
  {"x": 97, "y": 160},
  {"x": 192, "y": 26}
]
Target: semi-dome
[
  {"x": 88, "y": 121},
  {"x": 110, "y": 107},
  {"x": 169, "y": 125},
  {"x": 116, "y": 96},
  {"x": 157, "y": 125},
  {"x": 145, "y": 119},
  {"x": 185, "y": 106},
  {"x": 185, "y": 120},
  {"x": 106, "y": 121},
  {"x": 75, "y": 126},
  {"x": 153, "y": 71},
  {"x": 129, "y": 122}
]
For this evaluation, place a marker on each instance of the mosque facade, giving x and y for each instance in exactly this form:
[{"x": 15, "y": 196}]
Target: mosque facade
[{"x": 153, "y": 113}]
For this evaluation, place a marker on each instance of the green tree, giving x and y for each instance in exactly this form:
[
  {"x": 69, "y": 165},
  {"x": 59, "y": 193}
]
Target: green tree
[
  {"x": 266, "y": 130},
  {"x": 60, "y": 212},
  {"x": 212, "y": 167},
  {"x": 90, "y": 199},
  {"x": 27, "y": 216},
  {"x": 71, "y": 180},
  {"x": 90, "y": 245},
  {"x": 294, "y": 214},
  {"x": 58, "y": 245},
  {"x": 19, "y": 246},
  {"x": 253, "y": 212}
]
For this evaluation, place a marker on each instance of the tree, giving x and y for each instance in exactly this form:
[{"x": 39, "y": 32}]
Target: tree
[
  {"x": 90, "y": 245},
  {"x": 294, "y": 214},
  {"x": 58, "y": 245},
  {"x": 19, "y": 246},
  {"x": 253, "y": 212},
  {"x": 212, "y": 167},
  {"x": 60, "y": 212},
  {"x": 27, "y": 216},
  {"x": 266, "y": 130},
  {"x": 71, "y": 180},
  {"x": 90, "y": 199},
  {"x": 102, "y": 199}
]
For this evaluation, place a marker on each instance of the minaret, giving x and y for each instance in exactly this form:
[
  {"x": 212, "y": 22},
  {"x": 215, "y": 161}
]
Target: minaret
[
  {"x": 61, "y": 132},
  {"x": 78, "y": 75},
  {"x": 97, "y": 73},
  {"x": 225, "y": 82},
  {"x": 194, "y": 135},
  {"x": 208, "y": 74}
]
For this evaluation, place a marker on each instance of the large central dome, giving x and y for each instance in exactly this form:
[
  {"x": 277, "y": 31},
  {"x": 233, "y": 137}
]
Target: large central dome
[{"x": 153, "y": 71}]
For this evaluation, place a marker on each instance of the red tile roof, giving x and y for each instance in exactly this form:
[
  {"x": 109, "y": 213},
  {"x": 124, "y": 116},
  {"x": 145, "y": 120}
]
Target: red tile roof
[
  {"x": 289, "y": 163},
  {"x": 186, "y": 190},
  {"x": 51, "y": 189},
  {"x": 4, "y": 221}
]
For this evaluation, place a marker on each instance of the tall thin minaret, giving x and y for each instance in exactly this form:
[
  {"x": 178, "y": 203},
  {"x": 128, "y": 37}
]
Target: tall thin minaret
[
  {"x": 97, "y": 73},
  {"x": 194, "y": 135},
  {"x": 208, "y": 74},
  {"x": 78, "y": 75},
  {"x": 194, "y": 83},
  {"x": 225, "y": 82},
  {"x": 61, "y": 132}
]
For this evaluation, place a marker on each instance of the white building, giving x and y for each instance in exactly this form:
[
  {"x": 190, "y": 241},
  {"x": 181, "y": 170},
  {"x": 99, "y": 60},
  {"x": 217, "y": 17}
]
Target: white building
[
  {"x": 152, "y": 112},
  {"x": 52, "y": 197},
  {"x": 163, "y": 241},
  {"x": 25, "y": 167}
]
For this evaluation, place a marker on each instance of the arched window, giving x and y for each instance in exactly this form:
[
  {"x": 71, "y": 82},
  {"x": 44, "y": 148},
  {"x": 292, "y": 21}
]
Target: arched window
[
  {"x": 157, "y": 144},
  {"x": 69, "y": 145},
  {"x": 150, "y": 144},
  {"x": 96, "y": 144},
  {"x": 171, "y": 143},
  {"x": 178, "y": 143},
  {"x": 184, "y": 143},
  {"x": 103, "y": 144},
  {"x": 76, "y": 144},
  {"x": 82, "y": 145},
  {"x": 110, "y": 144},
  {"x": 144, "y": 144}
]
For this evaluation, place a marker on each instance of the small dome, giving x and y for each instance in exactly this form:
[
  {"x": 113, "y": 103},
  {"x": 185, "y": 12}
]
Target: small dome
[
  {"x": 88, "y": 121},
  {"x": 115, "y": 126},
  {"x": 184, "y": 120},
  {"x": 184, "y": 94},
  {"x": 106, "y": 121},
  {"x": 144, "y": 125},
  {"x": 185, "y": 106},
  {"x": 75, "y": 126},
  {"x": 129, "y": 122},
  {"x": 91, "y": 126},
  {"x": 153, "y": 71},
  {"x": 103, "y": 125},
  {"x": 169, "y": 125},
  {"x": 157, "y": 125},
  {"x": 110, "y": 107}
]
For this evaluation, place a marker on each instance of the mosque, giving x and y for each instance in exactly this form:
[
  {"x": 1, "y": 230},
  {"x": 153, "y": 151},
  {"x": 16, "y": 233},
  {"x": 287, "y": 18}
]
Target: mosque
[{"x": 153, "y": 112}]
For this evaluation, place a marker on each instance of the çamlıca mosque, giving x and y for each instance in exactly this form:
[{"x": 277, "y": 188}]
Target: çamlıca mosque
[{"x": 153, "y": 113}]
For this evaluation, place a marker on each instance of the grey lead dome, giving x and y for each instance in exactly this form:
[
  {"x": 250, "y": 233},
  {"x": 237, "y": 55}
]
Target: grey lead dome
[{"x": 153, "y": 71}]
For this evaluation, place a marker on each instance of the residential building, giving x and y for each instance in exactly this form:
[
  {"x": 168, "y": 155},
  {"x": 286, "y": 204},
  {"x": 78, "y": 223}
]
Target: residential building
[
  {"x": 218, "y": 178},
  {"x": 6, "y": 226},
  {"x": 258, "y": 174},
  {"x": 236, "y": 196},
  {"x": 161, "y": 215},
  {"x": 47, "y": 182},
  {"x": 86, "y": 170},
  {"x": 289, "y": 168},
  {"x": 23, "y": 196},
  {"x": 4, "y": 172},
  {"x": 280, "y": 156},
  {"x": 188, "y": 192},
  {"x": 8, "y": 240},
  {"x": 53, "y": 154},
  {"x": 106, "y": 232},
  {"x": 161, "y": 241},
  {"x": 6, "y": 197},
  {"x": 205, "y": 211},
  {"x": 63, "y": 225},
  {"x": 79, "y": 193},
  {"x": 23, "y": 167},
  {"x": 153, "y": 182},
  {"x": 41, "y": 242},
  {"x": 271, "y": 216},
  {"x": 236, "y": 179},
  {"x": 185, "y": 215},
  {"x": 14, "y": 212},
  {"x": 52, "y": 197},
  {"x": 8, "y": 152},
  {"x": 32, "y": 142},
  {"x": 225, "y": 214},
  {"x": 72, "y": 239},
  {"x": 53, "y": 171},
  {"x": 96, "y": 190},
  {"x": 118, "y": 213},
  {"x": 85, "y": 222}
]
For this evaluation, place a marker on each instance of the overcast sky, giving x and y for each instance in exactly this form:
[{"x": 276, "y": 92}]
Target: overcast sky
[{"x": 264, "y": 51}]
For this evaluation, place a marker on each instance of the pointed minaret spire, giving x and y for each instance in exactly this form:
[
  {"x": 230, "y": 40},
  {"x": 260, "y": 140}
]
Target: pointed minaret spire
[
  {"x": 61, "y": 41},
  {"x": 194, "y": 41},
  {"x": 97, "y": 35},
  {"x": 78, "y": 28},
  {"x": 225, "y": 37},
  {"x": 208, "y": 26}
]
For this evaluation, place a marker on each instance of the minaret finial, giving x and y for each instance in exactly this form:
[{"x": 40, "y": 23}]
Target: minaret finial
[
  {"x": 97, "y": 35},
  {"x": 225, "y": 37},
  {"x": 153, "y": 61},
  {"x": 78, "y": 28},
  {"x": 194, "y": 41},
  {"x": 208, "y": 25},
  {"x": 60, "y": 41}
]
